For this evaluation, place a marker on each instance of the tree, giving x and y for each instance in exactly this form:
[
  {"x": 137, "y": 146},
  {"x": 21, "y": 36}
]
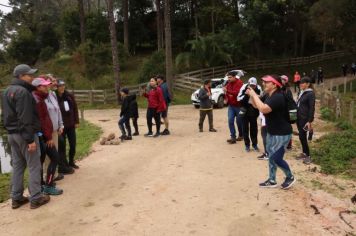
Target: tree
[
  {"x": 81, "y": 20},
  {"x": 159, "y": 25},
  {"x": 114, "y": 52},
  {"x": 168, "y": 43},
  {"x": 126, "y": 23}
]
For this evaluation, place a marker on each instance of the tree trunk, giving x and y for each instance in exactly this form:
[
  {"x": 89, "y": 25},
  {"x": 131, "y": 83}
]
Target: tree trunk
[
  {"x": 195, "y": 15},
  {"x": 113, "y": 40},
  {"x": 82, "y": 20},
  {"x": 126, "y": 23},
  {"x": 169, "y": 62},
  {"x": 89, "y": 5},
  {"x": 324, "y": 43},
  {"x": 159, "y": 24}
]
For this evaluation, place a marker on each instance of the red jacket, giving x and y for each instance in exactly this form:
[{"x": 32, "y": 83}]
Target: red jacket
[
  {"x": 232, "y": 90},
  {"x": 45, "y": 120},
  {"x": 155, "y": 99}
]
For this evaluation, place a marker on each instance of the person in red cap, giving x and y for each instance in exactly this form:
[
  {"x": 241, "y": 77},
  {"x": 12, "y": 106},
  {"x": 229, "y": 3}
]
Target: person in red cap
[
  {"x": 279, "y": 130},
  {"x": 296, "y": 81}
]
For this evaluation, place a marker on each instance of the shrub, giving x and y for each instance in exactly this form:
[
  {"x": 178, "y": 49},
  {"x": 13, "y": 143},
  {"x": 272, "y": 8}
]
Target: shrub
[
  {"x": 153, "y": 66},
  {"x": 344, "y": 125},
  {"x": 46, "y": 53},
  {"x": 326, "y": 113}
]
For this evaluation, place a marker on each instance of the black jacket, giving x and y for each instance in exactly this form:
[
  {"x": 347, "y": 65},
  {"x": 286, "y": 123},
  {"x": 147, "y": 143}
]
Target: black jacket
[
  {"x": 306, "y": 107},
  {"x": 205, "y": 101},
  {"x": 70, "y": 117},
  {"x": 19, "y": 114},
  {"x": 250, "y": 110},
  {"x": 129, "y": 107}
]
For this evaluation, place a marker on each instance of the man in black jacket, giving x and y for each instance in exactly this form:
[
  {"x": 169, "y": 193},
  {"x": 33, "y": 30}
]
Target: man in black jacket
[
  {"x": 206, "y": 106},
  {"x": 21, "y": 121}
]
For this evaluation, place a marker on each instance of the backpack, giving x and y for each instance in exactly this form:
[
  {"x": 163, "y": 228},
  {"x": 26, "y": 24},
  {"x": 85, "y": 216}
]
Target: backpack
[{"x": 291, "y": 108}]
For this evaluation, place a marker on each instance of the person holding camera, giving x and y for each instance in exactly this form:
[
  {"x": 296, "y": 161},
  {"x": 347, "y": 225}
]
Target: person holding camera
[
  {"x": 206, "y": 106},
  {"x": 305, "y": 116},
  {"x": 249, "y": 114}
]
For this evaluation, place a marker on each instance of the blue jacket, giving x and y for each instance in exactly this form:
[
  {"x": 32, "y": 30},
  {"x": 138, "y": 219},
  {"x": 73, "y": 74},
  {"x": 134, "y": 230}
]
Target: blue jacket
[{"x": 166, "y": 95}]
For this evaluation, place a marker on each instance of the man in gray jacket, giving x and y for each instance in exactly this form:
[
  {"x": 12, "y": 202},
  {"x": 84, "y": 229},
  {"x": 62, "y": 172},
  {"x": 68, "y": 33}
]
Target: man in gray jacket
[
  {"x": 21, "y": 121},
  {"x": 206, "y": 106}
]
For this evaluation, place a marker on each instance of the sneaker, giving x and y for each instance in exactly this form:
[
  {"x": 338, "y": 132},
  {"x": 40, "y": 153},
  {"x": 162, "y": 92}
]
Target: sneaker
[
  {"x": 264, "y": 156},
  {"x": 255, "y": 147},
  {"x": 122, "y": 137},
  {"x": 135, "y": 134},
  {"x": 44, "y": 199},
  {"x": 302, "y": 156},
  {"x": 288, "y": 182},
  {"x": 247, "y": 148},
  {"x": 51, "y": 190},
  {"x": 66, "y": 171},
  {"x": 239, "y": 139},
  {"x": 268, "y": 184},
  {"x": 128, "y": 138},
  {"x": 156, "y": 135},
  {"x": 149, "y": 134},
  {"x": 73, "y": 165},
  {"x": 307, "y": 160},
  {"x": 212, "y": 130},
  {"x": 18, "y": 203},
  {"x": 231, "y": 140},
  {"x": 165, "y": 132}
]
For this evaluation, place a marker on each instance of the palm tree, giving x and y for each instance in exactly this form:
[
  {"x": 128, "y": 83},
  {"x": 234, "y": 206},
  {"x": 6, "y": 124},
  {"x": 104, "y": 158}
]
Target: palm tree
[{"x": 168, "y": 42}]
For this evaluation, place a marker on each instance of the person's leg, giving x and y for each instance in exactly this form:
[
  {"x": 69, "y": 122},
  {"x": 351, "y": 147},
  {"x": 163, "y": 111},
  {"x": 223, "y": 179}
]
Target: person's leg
[
  {"x": 149, "y": 117},
  {"x": 128, "y": 126},
  {"x": 135, "y": 125},
  {"x": 201, "y": 119},
  {"x": 42, "y": 157},
  {"x": 63, "y": 162},
  {"x": 72, "y": 140},
  {"x": 239, "y": 122},
  {"x": 271, "y": 143},
  {"x": 246, "y": 131},
  {"x": 253, "y": 131},
  {"x": 51, "y": 170},
  {"x": 264, "y": 137},
  {"x": 121, "y": 126},
  {"x": 303, "y": 138},
  {"x": 282, "y": 142},
  {"x": 157, "y": 117},
  {"x": 211, "y": 119},
  {"x": 231, "y": 121},
  {"x": 165, "y": 119}
]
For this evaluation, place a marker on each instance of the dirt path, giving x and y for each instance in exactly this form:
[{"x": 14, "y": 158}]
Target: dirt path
[{"x": 189, "y": 183}]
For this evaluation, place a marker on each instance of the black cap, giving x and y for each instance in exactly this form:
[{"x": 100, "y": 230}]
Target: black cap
[
  {"x": 305, "y": 79},
  {"x": 125, "y": 90},
  {"x": 23, "y": 69},
  {"x": 207, "y": 81}
]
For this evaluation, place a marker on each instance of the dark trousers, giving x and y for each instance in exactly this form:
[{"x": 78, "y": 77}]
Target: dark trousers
[
  {"x": 303, "y": 137},
  {"x": 250, "y": 130},
  {"x": 153, "y": 114},
  {"x": 264, "y": 137},
  {"x": 124, "y": 122},
  {"x": 53, "y": 155},
  {"x": 134, "y": 123},
  {"x": 203, "y": 114},
  {"x": 320, "y": 80},
  {"x": 72, "y": 139}
]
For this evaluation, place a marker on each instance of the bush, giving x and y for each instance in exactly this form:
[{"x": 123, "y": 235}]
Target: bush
[
  {"x": 335, "y": 152},
  {"x": 153, "y": 66},
  {"x": 344, "y": 125},
  {"x": 46, "y": 53},
  {"x": 326, "y": 113}
]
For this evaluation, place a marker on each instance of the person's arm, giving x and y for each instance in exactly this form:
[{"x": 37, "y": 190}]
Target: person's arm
[
  {"x": 257, "y": 103},
  {"x": 311, "y": 103},
  {"x": 203, "y": 94},
  {"x": 242, "y": 92}
]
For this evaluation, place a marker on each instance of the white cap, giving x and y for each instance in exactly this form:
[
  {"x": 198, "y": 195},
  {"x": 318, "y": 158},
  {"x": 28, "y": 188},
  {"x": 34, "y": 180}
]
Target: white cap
[{"x": 252, "y": 81}]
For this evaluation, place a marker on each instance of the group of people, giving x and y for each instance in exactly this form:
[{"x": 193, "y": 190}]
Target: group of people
[
  {"x": 158, "y": 98},
  {"x": 345, "y": 69},
  {"x": 315, "y": 77},
  {"x": 277, "y": 110},
  {"x": 39, "y": 116}
]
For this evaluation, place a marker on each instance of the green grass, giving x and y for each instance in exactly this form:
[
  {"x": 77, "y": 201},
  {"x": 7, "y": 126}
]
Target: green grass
[{"x": 87, "y": 134}]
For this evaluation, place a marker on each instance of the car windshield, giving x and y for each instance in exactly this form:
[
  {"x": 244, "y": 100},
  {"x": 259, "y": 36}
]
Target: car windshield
[{"x": 218, "y": 84}]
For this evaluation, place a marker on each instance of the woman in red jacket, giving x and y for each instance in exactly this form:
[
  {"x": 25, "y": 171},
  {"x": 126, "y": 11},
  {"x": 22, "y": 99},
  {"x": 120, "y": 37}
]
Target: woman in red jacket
[
  {"x": 45, "y": 136},
  {"x": 156, "y": 105}
]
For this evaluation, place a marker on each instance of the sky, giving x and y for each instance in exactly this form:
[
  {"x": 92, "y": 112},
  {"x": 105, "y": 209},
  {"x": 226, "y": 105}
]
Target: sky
[{"x": 5, "y": 9}]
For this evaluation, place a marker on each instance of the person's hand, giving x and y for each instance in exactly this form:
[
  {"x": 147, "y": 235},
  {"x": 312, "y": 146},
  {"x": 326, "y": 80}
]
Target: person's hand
[
  {"x": 50, "y": 143},
  {"x": 225, "y": 89},
  {"x": 308, "y": 126},
  {"x": 77, "y": 126},
  {"x": 250, "y": 92},
  {"x": 32, "y": 147},
  {"x": 60, "y": 131}
]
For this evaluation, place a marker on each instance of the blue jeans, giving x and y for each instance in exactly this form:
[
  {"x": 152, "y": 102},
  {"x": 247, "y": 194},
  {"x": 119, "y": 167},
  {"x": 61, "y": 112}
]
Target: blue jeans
[
  {"x": 276, "y": 146},
  {"x": 233, "y": 113}
]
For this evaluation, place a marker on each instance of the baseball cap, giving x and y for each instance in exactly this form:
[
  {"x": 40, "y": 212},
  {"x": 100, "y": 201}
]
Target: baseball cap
[
  {"x": 285, "y": 78},
  {"x": 305, "y": 80},
  {"x": 269, "y": 78},
  {"x": 23, "y": 69},
  {"x": 252, "y": 81},
  {"x": 60, "y": 82},
  {"x": 40, "y": 82}
]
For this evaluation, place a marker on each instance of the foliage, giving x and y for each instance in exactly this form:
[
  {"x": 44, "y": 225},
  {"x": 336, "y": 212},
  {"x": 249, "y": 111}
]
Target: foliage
[
  {"x": 153, "y": 66},
  {"x": 343, "y": 125},
  {"x": 326, "y": 113},
  {"x": 335, "y": 152}
]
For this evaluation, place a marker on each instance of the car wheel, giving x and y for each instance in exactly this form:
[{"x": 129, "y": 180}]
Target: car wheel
[
  {"x": 197, "y": 106},
  {"x": 220, "y": 103}
]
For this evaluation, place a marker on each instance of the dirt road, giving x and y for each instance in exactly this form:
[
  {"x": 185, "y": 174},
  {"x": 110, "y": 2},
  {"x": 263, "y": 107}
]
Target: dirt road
[{"x": 189, "y": 183}]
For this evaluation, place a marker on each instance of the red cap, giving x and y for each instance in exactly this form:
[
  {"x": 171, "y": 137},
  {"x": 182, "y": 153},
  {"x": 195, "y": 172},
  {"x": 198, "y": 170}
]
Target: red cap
[{"x": 269, "y": 78}]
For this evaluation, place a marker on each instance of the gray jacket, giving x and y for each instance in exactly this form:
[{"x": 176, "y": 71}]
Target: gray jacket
[
  {"x": 54, "y": 111},
  {"x": 205, "y": 99}
]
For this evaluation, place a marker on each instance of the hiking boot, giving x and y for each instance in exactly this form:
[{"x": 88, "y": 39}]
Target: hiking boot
[
  {"x": 44, "y": 199},
  {"x": 165, "y": 132},
  {"x": 307, "y": 160},
  {"x": 212, "y": 130},
  {"x": 231, "y": 140},
  {"x": 122, "y": 137},
  {"x": 149, "y": 134},
  {"x": 288, "y": 182},
  {"x": 128, "y": 138},
  {"x": 18, "y": 203},
  {"x": 135, "y": 134},
  {"x": 73, "y": 165},
  {"x": 156, "y": 135},
  {"x": 302, "y": 156},
  {"x": 51, "y": 190},
  {"x": 66, "y": 171},
  {"x": 264, "y": 156},
  {"x": 255, "y": 147},
  {"x": 247, "y": 148},
  {"x": 239, "y": 139},
  {"x": 268, "y": 184}
]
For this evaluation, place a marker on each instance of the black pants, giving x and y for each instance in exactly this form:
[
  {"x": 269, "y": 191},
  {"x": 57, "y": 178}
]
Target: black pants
[
  {"x": 134, "y": 123},
  {"x": 53, "y": 155},
  {"x": 303, "y": 137},
  {"x": 320, "y": 80},
  {"x": 264, "y": 137},
  {"x": 250, "y": 130},
  {"x": 203, "y": 114},
  {"x": 124, "y": 122},
  {"x": 72, "y": 139},
  {"x": 152, "y": 113}
]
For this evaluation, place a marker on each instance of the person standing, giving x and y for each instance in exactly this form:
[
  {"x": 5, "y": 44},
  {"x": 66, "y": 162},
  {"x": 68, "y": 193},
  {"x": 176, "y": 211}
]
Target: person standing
[
  {"x": 232, "y": 90},
  {"x": 124, "y": 121},
  {"x": 296, "y": 81},
  {"x": 250, "y": 115},
  {"x": 167, "y": 98},
  {"x": 21, "y": 121},
  {"x": 69, "y": 110},
  {"x": 305, "y": 116},
  {"x": 156, "y": 105},
  {"x": 133, "y": 110},
  {"x": 279, "y": 130},
  {"x": 312, "y": 76},
  {"x": 206, "y": 106},
  {"x": 46, "y": 136},
  {"x": 320, "y": 76}
]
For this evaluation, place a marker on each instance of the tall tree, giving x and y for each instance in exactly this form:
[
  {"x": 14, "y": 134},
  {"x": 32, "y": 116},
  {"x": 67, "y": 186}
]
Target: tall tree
[
  {"x": 159, "y": 24},
  {"x": 114, "y": 51},
  {"x": 168, "y": 43},
  {"x": 126, "y": 23},
  {"x": 82, "y": 20}
]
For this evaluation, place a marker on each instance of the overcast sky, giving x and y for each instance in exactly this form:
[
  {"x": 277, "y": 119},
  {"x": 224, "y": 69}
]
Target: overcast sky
[{"x": 5, "y": 9}]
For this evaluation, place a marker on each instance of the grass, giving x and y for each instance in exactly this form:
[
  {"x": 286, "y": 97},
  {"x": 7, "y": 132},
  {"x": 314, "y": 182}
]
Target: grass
[{"x": 87, "y": 134}]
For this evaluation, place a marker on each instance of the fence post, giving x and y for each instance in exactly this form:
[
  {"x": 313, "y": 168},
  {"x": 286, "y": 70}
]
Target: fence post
[
  {"x": 352, "y": 104},
  {"x": 338, "y": 108},
  {"x": 345, "y": 84},
  {"x": 91, "y": 97},
  {"x": 351, "y": 86},
  {"x": 82, "y": 115},
  {"x": 105, "y": 96}
]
